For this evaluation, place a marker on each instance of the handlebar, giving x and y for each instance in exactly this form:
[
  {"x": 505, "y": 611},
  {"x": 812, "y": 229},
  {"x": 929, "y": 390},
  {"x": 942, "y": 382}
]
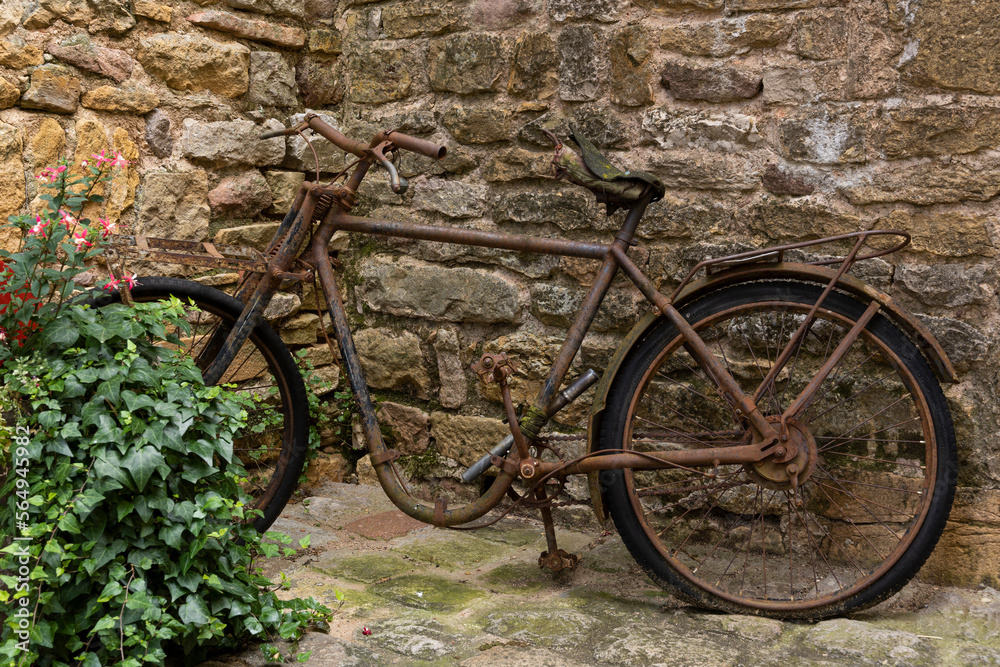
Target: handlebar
[{"x": 348, "y": 145}]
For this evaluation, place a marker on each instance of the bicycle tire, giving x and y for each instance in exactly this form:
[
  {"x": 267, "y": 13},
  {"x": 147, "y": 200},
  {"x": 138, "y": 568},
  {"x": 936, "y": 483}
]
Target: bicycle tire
[
  {"x": 272, "y": 447},
  {"x": 850, "y": 534}
]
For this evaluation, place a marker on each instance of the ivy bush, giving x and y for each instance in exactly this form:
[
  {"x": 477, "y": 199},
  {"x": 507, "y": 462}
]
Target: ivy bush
[{"x": 134, "y": 541}]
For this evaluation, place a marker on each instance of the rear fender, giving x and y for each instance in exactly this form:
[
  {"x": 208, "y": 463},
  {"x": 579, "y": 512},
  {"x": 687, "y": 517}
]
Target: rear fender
[{"x": 748, "y": 273}]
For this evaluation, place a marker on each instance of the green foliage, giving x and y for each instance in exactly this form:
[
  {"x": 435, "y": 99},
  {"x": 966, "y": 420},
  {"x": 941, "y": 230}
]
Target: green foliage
[
  {"x": 328, "y": 408},
  {"x": 36, "y": 282},
  {"x": 139, "y": 541},
  {"x": 134, "y": 539}
]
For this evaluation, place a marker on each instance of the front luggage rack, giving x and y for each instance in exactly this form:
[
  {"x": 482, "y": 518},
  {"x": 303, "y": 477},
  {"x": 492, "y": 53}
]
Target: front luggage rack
[
  {"x": 776, "y": 254},
  {"x": 191, "y": 253}
]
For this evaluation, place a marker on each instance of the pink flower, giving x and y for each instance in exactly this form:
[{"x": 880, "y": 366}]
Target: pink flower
[
  {"x": 108, "y": 226},
  {"x": 100, "y": 158},
  {"x": 67, "y": 219},
  {"x": 39, "y": 228},
  {"x": 80, "y": 239},
  {"x": 112, "y": 284},
  {"x": 3, "y": 335},
  {"x": 365, "y": 631},
  {"x": 60, "y": 169},
  {"x": 119, "y": 161},
  {"x": 130, "y": 281}
]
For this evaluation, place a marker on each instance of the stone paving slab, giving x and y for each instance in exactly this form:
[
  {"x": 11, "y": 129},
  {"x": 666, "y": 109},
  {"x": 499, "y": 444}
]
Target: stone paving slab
[{"x": 435, "y": 597}]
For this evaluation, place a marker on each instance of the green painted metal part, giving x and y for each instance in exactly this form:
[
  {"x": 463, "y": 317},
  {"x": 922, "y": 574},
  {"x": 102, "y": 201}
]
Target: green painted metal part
[{"x": 822, "y": 275}]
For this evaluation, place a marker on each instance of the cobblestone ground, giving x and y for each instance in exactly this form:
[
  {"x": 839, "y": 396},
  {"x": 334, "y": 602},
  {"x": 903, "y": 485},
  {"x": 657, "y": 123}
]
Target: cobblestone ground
[{"x": 476, "y": 599}]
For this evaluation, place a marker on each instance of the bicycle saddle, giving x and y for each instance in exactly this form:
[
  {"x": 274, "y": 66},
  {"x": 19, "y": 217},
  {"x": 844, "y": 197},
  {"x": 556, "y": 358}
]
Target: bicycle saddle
[{"x": 601, "y": 167}]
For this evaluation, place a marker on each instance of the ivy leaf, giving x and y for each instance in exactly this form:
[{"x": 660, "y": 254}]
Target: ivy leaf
[
  {"x": 141, "y": 463},
  {"x": 59, "y": 336},
  {"x": 105, "y": 623},
  {"x": 194, "y": 611}
]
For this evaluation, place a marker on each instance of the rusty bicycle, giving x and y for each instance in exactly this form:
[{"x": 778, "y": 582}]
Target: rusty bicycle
[{"x": 770, "y": 438}]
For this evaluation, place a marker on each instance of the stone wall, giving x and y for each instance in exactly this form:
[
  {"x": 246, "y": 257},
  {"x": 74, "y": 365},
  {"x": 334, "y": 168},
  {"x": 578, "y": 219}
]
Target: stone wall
[{"x": 770, "y": 121}]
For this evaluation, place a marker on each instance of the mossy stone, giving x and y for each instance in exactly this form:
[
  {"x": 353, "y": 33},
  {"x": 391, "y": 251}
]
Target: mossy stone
[
  {"x": 425, "y": 592},
  {"x": 367, "y": 569}
]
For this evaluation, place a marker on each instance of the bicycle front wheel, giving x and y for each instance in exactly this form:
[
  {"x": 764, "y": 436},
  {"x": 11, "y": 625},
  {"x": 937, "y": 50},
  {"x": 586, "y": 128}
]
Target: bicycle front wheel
[
  {"x": 876, "y": 463},
  {"x": 272, "y": 446}
]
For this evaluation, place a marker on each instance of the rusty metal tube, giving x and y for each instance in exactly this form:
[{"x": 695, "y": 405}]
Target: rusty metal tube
[
  {"x": 415, "y": 145},
  {"x": 352, "y": 368},
  {"x": 500, "y": 240},
  {"x": 655, "y": 460}
]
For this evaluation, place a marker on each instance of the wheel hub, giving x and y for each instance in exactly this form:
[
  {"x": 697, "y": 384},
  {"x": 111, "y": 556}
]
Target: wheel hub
[{"x": 778, "y": 473}]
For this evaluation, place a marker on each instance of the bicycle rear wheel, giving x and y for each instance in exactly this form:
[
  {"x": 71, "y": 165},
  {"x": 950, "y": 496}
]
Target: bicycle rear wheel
[
  {"x": 877, "y": 459},
  {"x": 272, "y": 446}
]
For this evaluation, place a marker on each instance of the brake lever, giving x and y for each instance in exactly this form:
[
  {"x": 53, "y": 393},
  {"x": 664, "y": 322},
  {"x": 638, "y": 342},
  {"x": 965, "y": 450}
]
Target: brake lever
[{"x": 398, "y": 183}]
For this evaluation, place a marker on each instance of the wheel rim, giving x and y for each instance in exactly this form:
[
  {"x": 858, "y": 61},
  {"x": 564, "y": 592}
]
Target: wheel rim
[
  {"x": 741, "y": 536},
  {"x": 263, "y": 446}
]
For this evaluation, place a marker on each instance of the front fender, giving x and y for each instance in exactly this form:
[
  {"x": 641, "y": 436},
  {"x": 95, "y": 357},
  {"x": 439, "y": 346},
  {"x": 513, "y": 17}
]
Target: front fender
[{"x": 747, "y": 273}]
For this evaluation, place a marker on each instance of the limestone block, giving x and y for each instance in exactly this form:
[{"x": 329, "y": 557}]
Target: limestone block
[
  {"x": 785, "y": 220},
  {"x": 392, "y": 361},
  {"x": 478, "y": 125},
  {"x": 53, "y": 88},
  {"x": 231, "y": 142},
  {"x": 674, "y": 128},
  {"x": 557, "y": 305},
  {"x": 379, "y": 75},
  {"x": 129, "y": 99},
  {"x": 260, "y": 31},
  {"x": 630, "y": 56},
  {"x": 326, "y": 41},
  {"x": 291, "y": 8},
  {"x": 9, "y": 94},
  {"x": 152, "y": 10},
  {"x": 20, "y": 57},
  {"x": 782, "y": 182},
  {"x": 598, "y": 10},
  {"x": 124, "y": 181},
  {"x": 946, "y": 285},
  {"x": 410, "y": 427},
  {"x": 713, "y": 83},
  {"x": 11, "y": 12},
  {"x": 452, "y": 198},
  {"x": 319, "y": 81},
  {"x": 422, "y": 18},
  {"x": 567, "y": 208},
  {"x": 411, "y": 288},
  {"x": 300, "y": 330},
  {"x": 725, "y": 37},
  {"x": 175, "y": 205},
  {"x": 466, "y": 438},
  {"x": 925, "y": 184},
  {"x": 466, "y": 63},
  {"x": 284, "y": 187},
  {"x": 821, "y": 35},
  {"x": 703, "y": 170},
  {"x": 272, "y": 81},
  {"x": 47, "y": 145},
  {"x": 944, "y": 233},
  {"x": 282, "y": 305},
  {"x": 80, "y": 52},
  {"x": 935, "y": 57},
  {"x": 328, "y": 468},
  {"x": 926, "y": 131},
  {"x": 158, "y": 136},
  {"x": 533, "y": 66},
  {"x": 255, "y": 236},
  {"x": 240, "y": 196},
  {"x": 516, "y": 163},
  {"x": 674, "y": 6},
  {"x": 451, "y": 370},
  {"x": 12, "y": 182},
  {"x": 189, "y": 62},
  {"x": 831, "y": 135},
  {"x": 581, "y": 63}
]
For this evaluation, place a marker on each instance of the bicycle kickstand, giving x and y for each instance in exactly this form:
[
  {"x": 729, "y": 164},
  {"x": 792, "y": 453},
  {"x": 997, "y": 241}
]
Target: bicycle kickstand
[{"x": 497, "y": 368}]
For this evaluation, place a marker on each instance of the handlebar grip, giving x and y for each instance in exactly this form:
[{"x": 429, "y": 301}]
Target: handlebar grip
[
  {"x": 421, "y": 146},
  {"x": 273, "y": 133}
]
